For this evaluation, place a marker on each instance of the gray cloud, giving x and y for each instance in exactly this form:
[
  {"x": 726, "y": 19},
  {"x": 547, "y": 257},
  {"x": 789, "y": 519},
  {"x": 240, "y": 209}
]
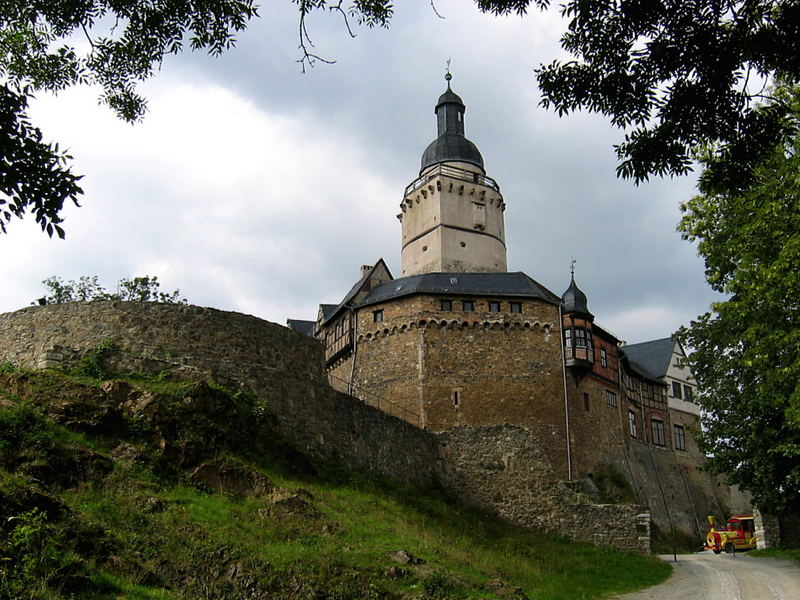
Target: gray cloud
[{"x": 255, "y": 188}]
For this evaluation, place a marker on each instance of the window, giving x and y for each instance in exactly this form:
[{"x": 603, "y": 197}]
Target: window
[
  {"x": 603, "y": 357},
  {"x": 516, "y": 307},
  {"x": 680, "y": 438},
  {"x": 568, "y": 338},
  {"x": 688, "y": 393},
  {"x": 377, "y": 316},
  {"x": 586, "y": 406},
  {"x": 456, "y": 398},
  {"x": 446, "y": 304},
  {"x": 628, "y": 380},
  {"x": 480, "y": 216},
  {"x": 494, "y": 306},
  {"x": 632, "y": 423},
  {"x": 580, "y": 337},
  {"x": 676, "y": 389},
  {"x": 611, "y": 398},
  {"x": 657, "y": 425},
  {"x": 649, "y": 391},
  {"x": 468, "y": 305}
]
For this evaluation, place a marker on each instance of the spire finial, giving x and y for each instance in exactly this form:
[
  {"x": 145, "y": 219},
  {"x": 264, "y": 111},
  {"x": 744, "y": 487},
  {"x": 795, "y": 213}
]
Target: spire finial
[
  {"x": 447, "y": 75},
  {"x": 572, "y": 267}
]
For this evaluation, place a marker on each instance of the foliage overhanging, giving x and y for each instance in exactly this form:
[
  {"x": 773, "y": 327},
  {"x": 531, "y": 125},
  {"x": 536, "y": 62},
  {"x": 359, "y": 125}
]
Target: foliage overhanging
[{"x": 746, "y": 356}]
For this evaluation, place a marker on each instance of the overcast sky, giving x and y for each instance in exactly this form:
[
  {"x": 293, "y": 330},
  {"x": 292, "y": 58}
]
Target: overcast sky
[{"x": 255, "y": 188}]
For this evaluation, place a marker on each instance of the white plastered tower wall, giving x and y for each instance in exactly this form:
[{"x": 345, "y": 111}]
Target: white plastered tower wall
[
  {"x": 452, "y": 221},
  {"x": 452, "y": 214}
]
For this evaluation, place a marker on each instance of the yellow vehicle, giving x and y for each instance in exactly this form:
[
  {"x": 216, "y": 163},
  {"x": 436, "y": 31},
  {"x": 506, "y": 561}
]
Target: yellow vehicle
[{"x": 739, "y": 534}]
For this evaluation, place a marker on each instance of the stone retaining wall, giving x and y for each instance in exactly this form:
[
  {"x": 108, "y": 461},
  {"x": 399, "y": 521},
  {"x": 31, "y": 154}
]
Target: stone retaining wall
[{"x": 502, "y": 469}]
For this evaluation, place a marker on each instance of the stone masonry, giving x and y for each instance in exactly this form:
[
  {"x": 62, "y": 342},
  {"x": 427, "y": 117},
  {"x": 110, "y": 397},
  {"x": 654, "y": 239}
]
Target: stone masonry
[{"x": 501, "y": 469}]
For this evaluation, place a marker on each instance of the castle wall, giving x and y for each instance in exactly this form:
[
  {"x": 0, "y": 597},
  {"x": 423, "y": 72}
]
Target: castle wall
[
  {"x": 273, "y": 362},
  {"x": 450, "y": 368},
  {"x": 502, "y": 469},
  {"x": 597, "y": 428},
  {"x": 678, "y": 493},
  {"x": 691, "y": 427}
]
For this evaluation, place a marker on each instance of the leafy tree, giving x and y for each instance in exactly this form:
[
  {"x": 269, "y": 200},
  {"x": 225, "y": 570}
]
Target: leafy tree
[
  {"x": 747, "y": 349},
  {"x": 87, "y": 289},
  {"x": 675, "y": 74},
  {"x": 125, "y": 42}
]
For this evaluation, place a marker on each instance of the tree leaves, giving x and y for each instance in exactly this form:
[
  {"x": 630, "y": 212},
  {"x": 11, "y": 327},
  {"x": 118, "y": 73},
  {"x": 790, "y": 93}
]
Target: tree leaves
[
  {"x": 125, "y": 41},
  {"x": 88, "y": 289},
  {"x": 746, "y": 355},
  {"x": 33, "y": 175},
  {"x": 675, "y": 75}
]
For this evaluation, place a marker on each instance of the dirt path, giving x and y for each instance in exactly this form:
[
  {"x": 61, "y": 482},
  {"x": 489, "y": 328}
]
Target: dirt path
[{"x": 723, "y": 577}]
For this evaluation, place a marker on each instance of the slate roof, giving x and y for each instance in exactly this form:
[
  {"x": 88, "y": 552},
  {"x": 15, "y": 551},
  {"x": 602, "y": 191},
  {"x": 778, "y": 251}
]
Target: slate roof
[
  {"x": 449, "y": 96},
  {"x": 328, "y": 310},
  {"x": 654, "y": 356},
  {"x": 641, "y": 371},
  {"x": 451, "y": 147},
  {"x": 463, "y": 284},
  {"x": 574, "y": 299},
  {"x": 304, "y": 327}
]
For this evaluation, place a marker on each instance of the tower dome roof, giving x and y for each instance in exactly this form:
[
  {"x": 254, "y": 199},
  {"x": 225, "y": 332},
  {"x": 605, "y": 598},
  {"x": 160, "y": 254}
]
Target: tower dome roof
[
  {"x": 574, "y": 300},
  {"x": 450, "y": 145}
]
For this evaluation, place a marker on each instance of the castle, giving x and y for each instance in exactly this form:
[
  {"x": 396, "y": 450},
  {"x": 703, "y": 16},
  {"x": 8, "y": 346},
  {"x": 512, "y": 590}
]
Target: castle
[
  {"x": 457, "y": 375},
  {"x": 459, "y": 341}
]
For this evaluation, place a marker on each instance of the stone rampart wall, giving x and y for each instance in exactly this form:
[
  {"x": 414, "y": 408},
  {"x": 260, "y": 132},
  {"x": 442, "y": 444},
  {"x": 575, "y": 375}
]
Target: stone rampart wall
[
  {"x": 271, "y": 361},
  {"x": 502, "y": 469}
]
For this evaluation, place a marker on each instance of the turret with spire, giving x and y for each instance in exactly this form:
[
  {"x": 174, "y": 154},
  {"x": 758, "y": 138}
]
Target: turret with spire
[
  {"x": 577, "y": 325},
  {"x": 452, "y": 214}
]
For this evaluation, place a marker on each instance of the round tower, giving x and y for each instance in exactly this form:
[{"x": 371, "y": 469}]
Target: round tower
[{"x": 452, "y": 214}]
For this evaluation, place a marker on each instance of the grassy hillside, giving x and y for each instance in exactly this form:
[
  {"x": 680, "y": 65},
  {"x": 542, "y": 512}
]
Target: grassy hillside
[{"x": 149, "y": 488}]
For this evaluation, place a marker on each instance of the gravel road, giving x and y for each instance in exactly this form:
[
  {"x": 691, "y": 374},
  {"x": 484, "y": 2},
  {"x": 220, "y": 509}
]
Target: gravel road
[{"x": 706, "y": 576}]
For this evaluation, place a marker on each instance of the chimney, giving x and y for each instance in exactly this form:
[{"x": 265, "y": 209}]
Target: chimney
[{"x": 365, "y": 269}]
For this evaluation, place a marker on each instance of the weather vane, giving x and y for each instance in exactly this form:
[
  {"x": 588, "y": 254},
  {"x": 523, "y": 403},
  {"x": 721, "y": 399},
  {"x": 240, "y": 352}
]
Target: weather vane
[
  {"x": 572, "y": 266},
  {"x": 447, "y": 75}
]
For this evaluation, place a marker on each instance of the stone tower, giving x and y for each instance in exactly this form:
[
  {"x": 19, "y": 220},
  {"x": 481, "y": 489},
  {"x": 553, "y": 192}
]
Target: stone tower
[{"x": 452, "y": 214}]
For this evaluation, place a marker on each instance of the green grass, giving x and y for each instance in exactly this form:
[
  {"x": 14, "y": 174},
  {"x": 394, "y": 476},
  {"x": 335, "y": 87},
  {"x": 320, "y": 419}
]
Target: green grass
[
  {"x": 140, "y": 534},
  {"x": 784, "y": 553}
]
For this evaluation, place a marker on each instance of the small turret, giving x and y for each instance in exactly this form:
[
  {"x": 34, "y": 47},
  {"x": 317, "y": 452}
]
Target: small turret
[
  {"x": 575, "y": 300},
  {"x": 577, "y": 325}
]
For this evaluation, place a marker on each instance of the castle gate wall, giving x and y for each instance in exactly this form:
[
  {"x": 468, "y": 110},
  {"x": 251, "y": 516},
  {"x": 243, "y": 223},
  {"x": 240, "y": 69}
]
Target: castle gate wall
[{"x": 501, "y": 469}]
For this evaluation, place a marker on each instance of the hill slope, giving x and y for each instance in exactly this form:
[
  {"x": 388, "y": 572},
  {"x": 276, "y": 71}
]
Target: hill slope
[{"x": 147, "y": 487}]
